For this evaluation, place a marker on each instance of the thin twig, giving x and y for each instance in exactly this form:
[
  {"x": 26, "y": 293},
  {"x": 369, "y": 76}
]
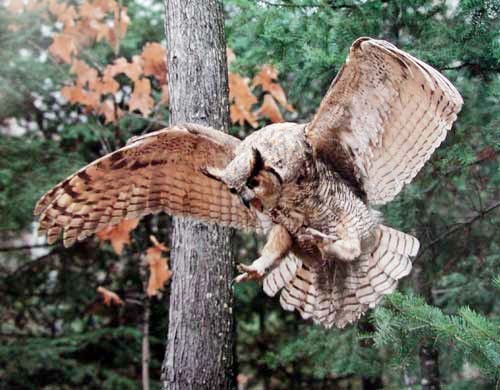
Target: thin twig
[
  {"x": 457, "y": 227},
  {"x": 22, "y": 247}
]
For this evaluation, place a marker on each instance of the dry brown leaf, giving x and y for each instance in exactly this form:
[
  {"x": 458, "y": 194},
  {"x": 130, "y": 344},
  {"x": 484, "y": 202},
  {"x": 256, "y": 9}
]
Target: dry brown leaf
[
  {"x": 154, "y": 59},
  {"x": 15, "y": 6},
  {"x": 159, "y": 273},
  {"x": 141, "y": 99},
  {"x": 266, "y": 79},
  {"x": 110, "y": 112},
  {"x": 164, "y": 95},
  {"x": 104, "y": 85},
  {"x": 230, "y": 56},
  {"x": 63, "y": 47},
  {"x": 240, "y": 116},
  {"x": 240, "y": 91},
  {"x": 91, "y": 11},
  {"x": 132, "y": 69},
  {"x": 77, "y": 95},
  {"x": 119, "y": 234},
  {"x": 84, "y": 73},
  {"x": 120, "y": 24},
  {"x": 109, "y": 297},
  {"x": 270, "y": 109},
  {"x": 242, "y": 99}
]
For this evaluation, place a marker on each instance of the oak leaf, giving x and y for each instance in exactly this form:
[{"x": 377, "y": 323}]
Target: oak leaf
[
  {"x": 119, "y": 27},
  {"x": 270, "y": 109},
  {"x": 15, "y": 6},
  {"x": 141, "y": 99},
  {"x": 109, "y": 297},
  {"x": 110, "y": 112},
  {"x": 159, "y": 273},
  {"x": 242, "y": 99},
  {"x": 132, "y": 69},
  {"x": 240, "y": 116},
  {"x": 266, "y": 79},
  {"x": 63, "y": 47},
  {"x": 154, "y": 61},
  {"x": 164, "y": 94},
  {"x": 104, "y": 85},
  {"x": 119, "y": 234},
  {"x": 77, "y": 95},
  {"x": 91, "y": 10},
  {"x": 84, "y": 73}
]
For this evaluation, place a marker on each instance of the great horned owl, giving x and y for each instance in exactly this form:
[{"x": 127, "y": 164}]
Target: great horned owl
[{"x": 310, "y": 187}]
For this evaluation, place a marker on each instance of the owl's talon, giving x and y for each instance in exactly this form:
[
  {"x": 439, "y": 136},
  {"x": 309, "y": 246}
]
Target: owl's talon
[{"x": 248, "y": 273}]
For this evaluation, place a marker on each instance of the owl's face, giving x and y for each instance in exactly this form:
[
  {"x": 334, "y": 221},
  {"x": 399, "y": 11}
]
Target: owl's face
[
  {"x": 265, "y": 163},
  {"x": 258, "y": 184}
]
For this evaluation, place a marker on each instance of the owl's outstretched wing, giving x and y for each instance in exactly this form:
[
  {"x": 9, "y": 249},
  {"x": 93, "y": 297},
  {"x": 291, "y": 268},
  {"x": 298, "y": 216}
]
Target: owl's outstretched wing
[
  {"x": 382, "y": 118},
  {"x": 161, "y": 171}
]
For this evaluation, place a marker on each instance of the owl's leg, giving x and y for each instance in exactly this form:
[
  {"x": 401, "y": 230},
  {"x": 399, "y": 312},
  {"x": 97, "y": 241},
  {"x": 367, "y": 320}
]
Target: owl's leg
[
  {"x": 346, "y": 246},
  {"x": 279, "y": 243}
]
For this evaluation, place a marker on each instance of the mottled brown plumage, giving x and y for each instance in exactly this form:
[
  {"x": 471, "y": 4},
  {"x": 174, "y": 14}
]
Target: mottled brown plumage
[{"x": 310, "y": 187}]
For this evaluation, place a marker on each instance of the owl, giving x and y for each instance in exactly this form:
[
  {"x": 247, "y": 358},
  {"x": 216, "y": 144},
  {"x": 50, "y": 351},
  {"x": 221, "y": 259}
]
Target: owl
[{"x": 311, "y": 188}]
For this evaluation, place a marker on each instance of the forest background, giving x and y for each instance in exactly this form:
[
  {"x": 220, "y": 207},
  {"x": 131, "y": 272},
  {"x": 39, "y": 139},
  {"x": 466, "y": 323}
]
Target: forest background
[{"x": 80, "y": 77}]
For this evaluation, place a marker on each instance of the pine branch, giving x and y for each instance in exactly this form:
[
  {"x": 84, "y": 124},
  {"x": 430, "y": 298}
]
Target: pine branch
[
  {"x": 23, "y": 247},
  {"x": 478, "y": 161},
  {"x": 457, "y": 227},
  {"x": 293, "y": 5}
]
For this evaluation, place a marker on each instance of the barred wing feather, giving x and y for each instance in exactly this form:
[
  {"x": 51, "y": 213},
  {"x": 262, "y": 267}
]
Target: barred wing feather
[{"x": 382, "y": 118}]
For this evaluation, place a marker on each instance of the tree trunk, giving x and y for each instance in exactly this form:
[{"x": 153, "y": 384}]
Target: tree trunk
[{"x": 199, "y": 353}]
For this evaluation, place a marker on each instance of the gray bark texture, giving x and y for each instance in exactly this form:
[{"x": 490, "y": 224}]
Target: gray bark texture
[{"x": 199, "y": 352}]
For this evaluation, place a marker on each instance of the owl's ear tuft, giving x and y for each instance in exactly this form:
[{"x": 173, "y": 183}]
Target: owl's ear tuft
[
  {"x": 257, "y": 163},
  {"x": 212, "y": 173}
]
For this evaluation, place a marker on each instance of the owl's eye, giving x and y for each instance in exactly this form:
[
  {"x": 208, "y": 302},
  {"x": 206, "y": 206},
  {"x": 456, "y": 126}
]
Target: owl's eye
[
  {"x": 233, "y": 191},
  {"x": 252, "y": 183}
]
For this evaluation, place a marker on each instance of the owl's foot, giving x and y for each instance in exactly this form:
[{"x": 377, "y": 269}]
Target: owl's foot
[
  {"x": 255, "y": 271},
  {"x": 346, "y": 250},
  {"x": 277, "y": 247},
  {"x": 330, "y": 246}
]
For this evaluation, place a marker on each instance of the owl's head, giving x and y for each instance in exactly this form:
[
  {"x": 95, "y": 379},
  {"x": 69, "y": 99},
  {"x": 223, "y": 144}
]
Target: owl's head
[
  {"x": 248, "y": 176},
  {"x": 265, "y": 162}
]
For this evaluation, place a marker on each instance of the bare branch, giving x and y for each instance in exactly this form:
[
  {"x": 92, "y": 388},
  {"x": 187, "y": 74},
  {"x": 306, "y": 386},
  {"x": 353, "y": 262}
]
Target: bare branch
[{"x": 457, "y": 227}]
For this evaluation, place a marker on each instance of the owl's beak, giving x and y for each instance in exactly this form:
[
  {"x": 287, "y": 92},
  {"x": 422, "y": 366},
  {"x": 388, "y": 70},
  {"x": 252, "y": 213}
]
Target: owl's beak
[{"x": 246, "y": 196}]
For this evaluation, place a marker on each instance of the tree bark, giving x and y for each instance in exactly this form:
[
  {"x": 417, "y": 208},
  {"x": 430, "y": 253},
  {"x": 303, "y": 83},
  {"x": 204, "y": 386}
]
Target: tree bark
[{"x": 199, "y": 352}]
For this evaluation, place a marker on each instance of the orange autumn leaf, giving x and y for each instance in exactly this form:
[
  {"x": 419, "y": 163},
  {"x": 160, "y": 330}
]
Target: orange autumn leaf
[
  {"x": 270, "y": 109},
  {"x": 104, "y": 85},
  {"x": 240, "y": 92},
  {"x": 164, "y": 94},
  {"x": 240, "y": 116},
  {"x": 91, "y": 10},
  {"x": 119, "y": 29},
  {"x": 63, "y": 47},
  {"x": 109, "y": 297},
  {"x": 15, "y": 6},
  {"x": 119, "y": 234},
  {"x": 230, "y": 56},
  {"x": 242, "y": 99},
  {"x": 159, "y": 274},
  {"x": 266, "y": 79},
  {"x": 132, "y": 69},
  {"x": 141, "y": 99},
  {"x": 84, "y": 73},
  {"x": 154, "y": 59},
  {"x": 107, "y": 108},
  {"x": 77, "y": 95}
]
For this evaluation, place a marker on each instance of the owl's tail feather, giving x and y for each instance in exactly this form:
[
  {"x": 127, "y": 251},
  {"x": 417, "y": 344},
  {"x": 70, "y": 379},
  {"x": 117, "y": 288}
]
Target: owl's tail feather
[
  {"x": 386, "y": 264},
  {"x": 338, "y": 293}
]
